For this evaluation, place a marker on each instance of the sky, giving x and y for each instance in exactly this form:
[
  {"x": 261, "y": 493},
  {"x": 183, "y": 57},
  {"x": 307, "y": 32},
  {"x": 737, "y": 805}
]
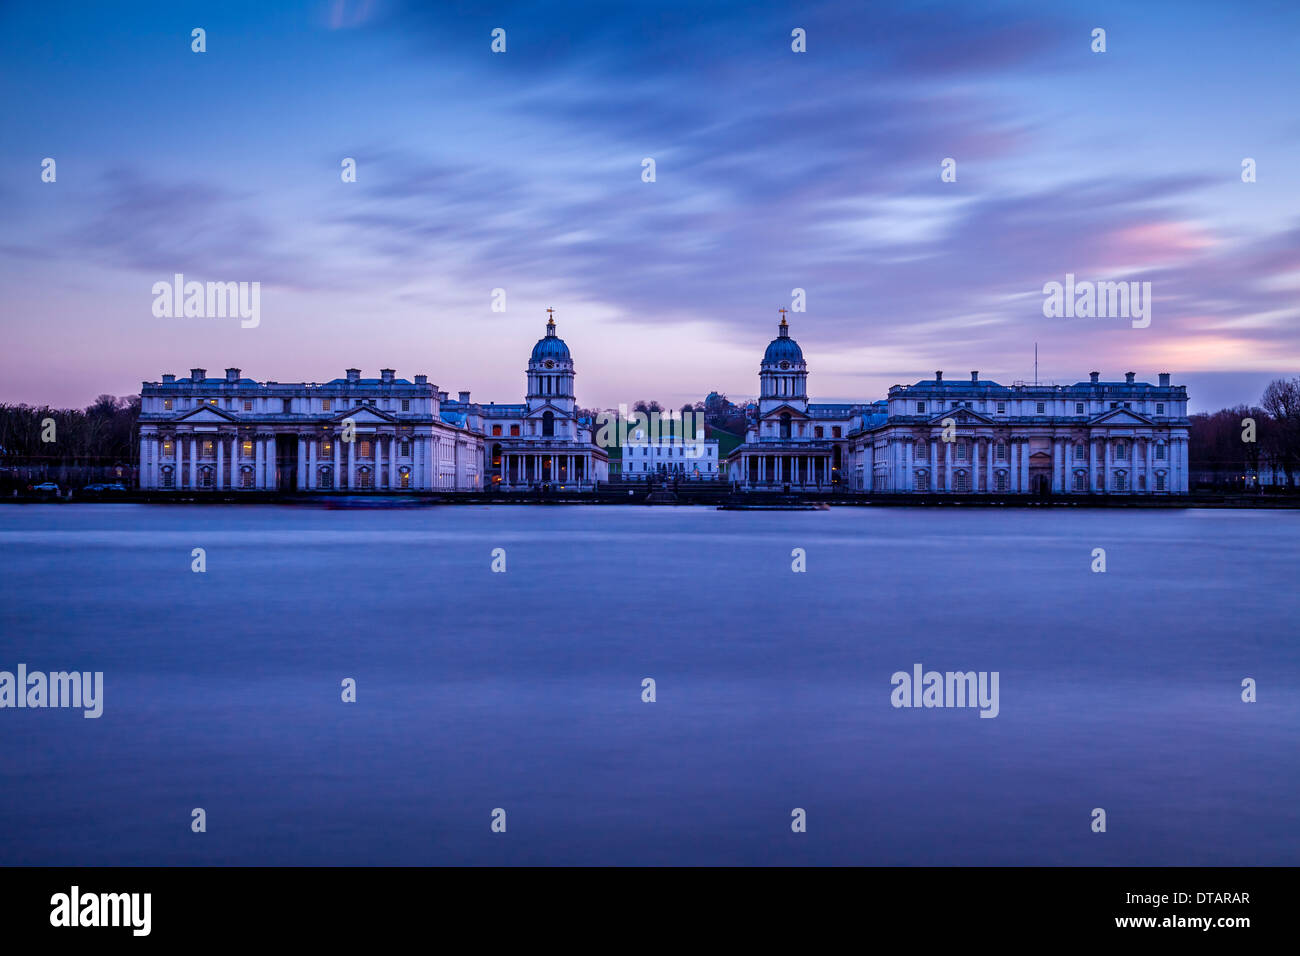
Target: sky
[{"x": 774, "y": 170}]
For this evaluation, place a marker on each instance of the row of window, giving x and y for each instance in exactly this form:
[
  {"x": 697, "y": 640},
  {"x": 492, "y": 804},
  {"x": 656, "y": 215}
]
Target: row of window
[
  {"x": 922, "y": 450},
  {"x": 286, "y": 406},
  {"x": 324, "y": 478},
  {"x": 1002, "y": 481},
  {"x": 1080, "y": 408},
  {"x": 365, "y": 448}
]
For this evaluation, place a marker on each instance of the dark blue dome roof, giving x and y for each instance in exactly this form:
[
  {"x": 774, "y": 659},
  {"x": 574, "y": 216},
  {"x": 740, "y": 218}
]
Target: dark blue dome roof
[
  {"x": 783, "y": 348},
  {"x": 551, "y": 346}
]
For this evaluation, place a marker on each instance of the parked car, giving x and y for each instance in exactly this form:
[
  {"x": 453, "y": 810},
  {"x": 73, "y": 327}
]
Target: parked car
[
  {"x": 116, "y": 486},
  {"x": 93, "y": 489},
  {"x": 46, "y": 486}
]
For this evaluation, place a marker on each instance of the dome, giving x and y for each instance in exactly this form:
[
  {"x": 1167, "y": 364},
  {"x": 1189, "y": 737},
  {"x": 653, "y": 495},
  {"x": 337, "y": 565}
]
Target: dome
[
  {"x": 551, "y": 346},
  {"x": 782, "y": 348}
]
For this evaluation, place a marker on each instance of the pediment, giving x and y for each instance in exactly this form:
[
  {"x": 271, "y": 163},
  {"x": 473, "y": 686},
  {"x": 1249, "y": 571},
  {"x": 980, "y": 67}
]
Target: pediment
[
  {"x": 776, "y": 413},
  {"x": 205, "y": 415},
  {"x": 541, "y": 410},
  {"x": 962, "y": 416},
  {"x": 1121, "y": 416},
  {"x": 365, "y": 415}
]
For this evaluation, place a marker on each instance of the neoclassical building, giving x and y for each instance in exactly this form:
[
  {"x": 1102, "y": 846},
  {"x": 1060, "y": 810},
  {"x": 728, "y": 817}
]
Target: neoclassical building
[
  {"x": 348, "y": 434},
  {"x": 541, "y": 441},
  {"x": 793, "y": 443},
  {"x": 975, "y": 437}
]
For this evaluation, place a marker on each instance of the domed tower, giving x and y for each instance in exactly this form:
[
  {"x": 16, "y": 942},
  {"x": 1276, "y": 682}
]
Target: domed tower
[
  {"x": 550, "y": 371},
  {"x": 783, "y": 376}
]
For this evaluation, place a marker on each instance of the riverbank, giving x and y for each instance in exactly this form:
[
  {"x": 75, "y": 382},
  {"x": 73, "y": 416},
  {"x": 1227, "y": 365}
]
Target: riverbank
[{"x": 744, "y": 501}]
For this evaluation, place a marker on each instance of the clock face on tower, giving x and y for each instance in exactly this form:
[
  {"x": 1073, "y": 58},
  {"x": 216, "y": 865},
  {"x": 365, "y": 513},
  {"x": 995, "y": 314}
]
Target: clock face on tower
[
  {"x": 550, "y": 363},
  {"x": 785, "y": 364}
]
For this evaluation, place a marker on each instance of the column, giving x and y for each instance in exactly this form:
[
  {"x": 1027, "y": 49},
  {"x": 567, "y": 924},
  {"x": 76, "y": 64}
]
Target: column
[
  {"x": 194, "y": 462},
  {"x": 302, "y": 463},
  {"x": 947, "y": 466},
  {"x": 909, "y": 466},
  {"x": 334, "y": 443},
  {"x": 1105, "y": 463},
  {"x": 379, "y": 462},
  {"x": 934, "y": 465},
  {"x": 352, "y": 464},
  {"x": 988, "y": 463},
  {"x": 311, "y": 462},
  {"x": 975, "y": 464},
  {"x": 143, "y": 480},
  {"x": 220, "y": 483},
  {"x": 1024, "y": 465},
  {"x": 269, "y": 458},
  {"x": 1146, "y": 465}
]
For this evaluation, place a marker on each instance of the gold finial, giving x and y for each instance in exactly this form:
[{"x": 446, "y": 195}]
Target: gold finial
[
  {"x": 550, "y": 318},
  {"x": 783, "y": 312}
]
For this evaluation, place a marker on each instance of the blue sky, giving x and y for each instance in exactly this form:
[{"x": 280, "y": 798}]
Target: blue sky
[{"x": 774, "y": 170}]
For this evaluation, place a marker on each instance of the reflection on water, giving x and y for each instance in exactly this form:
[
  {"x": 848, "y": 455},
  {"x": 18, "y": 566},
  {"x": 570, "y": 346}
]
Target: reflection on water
[{"x": 522, "y": 690}]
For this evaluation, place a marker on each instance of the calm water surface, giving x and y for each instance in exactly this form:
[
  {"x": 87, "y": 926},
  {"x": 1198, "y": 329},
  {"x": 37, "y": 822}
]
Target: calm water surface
[{"x": 523, "y": 690}]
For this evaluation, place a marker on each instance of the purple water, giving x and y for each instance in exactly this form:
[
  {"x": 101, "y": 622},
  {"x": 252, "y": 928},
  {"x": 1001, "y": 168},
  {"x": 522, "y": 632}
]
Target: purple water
[{"x": 478, "y": 690}]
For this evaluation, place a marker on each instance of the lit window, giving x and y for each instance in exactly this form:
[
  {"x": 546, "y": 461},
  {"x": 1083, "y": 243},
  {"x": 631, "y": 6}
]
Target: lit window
[
  {"x": 514, "y": 429},
  {"x": 496, "y": 430},
  {"x": 248, "y": 448},
  {"x": 209, "y": 448},
  {"x": 324, "y": 404},
  {"x": 248, "y": 404},
  {"x": 363, "y": 448},
  {"x": 167, "y": 404},
  {"x": 817, "y": 432},
  {"x": 835, "y": 431},
  {"x": 167, "y": 448},
  {"x": 212, "y": 401}
]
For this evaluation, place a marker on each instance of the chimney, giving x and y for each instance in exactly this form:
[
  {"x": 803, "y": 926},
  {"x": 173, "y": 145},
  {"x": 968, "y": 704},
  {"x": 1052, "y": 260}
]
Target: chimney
[
  {"x": 938, "y": 376},
  {"x": 974, "y": 377},
  {"x": 442, "y": 396},
  {"x": 232, "y": 375},
  {"x": 169, "y": 379},
  {"x": 354, "y": 375},
  {"x": 464, "y": 398},
  {"x": 1094, "y": 376},
  {"x": 1164, "y": 379},
  {"x": 386, "y": 375},
  {"x": 1129, "y": 376},
  {"x": 198, "y": 374},
  {"x": 421, "y": 380}
]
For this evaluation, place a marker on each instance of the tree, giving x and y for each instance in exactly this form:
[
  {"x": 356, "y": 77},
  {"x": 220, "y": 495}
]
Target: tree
[{"x": 1281, "y": 401}]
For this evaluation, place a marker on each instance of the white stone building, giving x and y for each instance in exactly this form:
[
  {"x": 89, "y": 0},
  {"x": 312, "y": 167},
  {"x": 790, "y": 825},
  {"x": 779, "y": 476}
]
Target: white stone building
[
  {"x": 348, "y": 434},
  {"x": 975, "y": 437},
  {"x": 541, "y": 442},
  {"x": 669, "y": 455}
]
